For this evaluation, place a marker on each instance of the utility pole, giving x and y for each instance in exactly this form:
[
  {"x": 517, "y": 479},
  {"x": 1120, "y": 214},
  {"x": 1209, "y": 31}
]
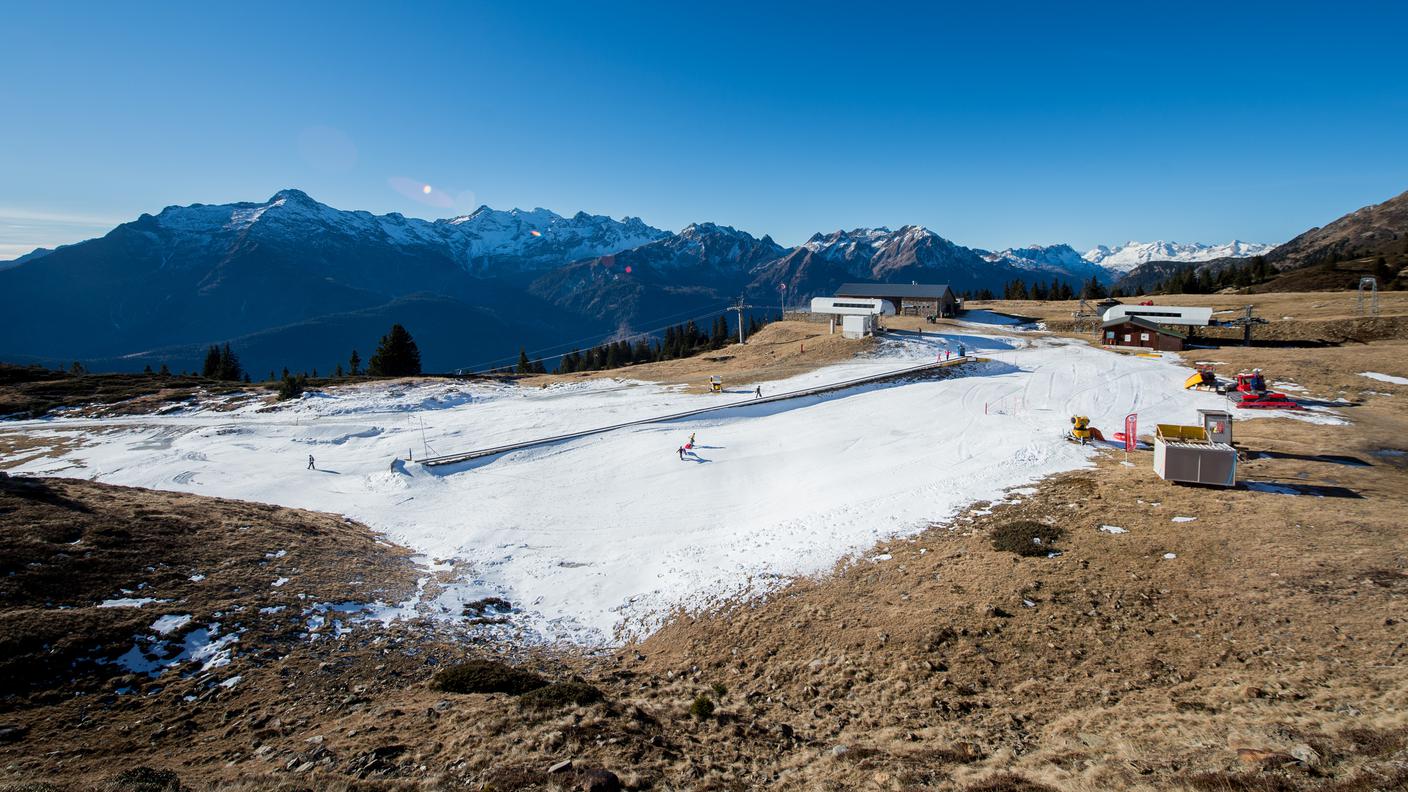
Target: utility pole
[{"x": 738, "y": 309}]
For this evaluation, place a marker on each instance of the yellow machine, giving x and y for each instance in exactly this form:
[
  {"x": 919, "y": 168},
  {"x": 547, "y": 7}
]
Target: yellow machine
[
  {"x": 1081, "y": 430},
  {"x": 1203, "y": 379},
  {"x": 716, "y": 384}
]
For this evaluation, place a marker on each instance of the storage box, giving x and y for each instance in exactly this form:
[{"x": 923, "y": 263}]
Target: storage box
[{"x": 1185, "y": 454}]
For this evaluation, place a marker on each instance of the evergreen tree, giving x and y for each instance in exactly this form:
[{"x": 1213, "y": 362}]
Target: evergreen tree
[
  {"x": 228, "y": 365},
  {"x": 211, "y": 369},
  {"x": 77, "y": 368},
  {"x": 354, "y": 363},
  {"x": 165, "y": 370},
  {"x": 147, "y": 369},
  {"x": 247, "y": 380},
  {"x": 524, "y": 365},
  {"x": 338, "y": 372},
  {"x": 396, "y": 356},
  {"x": 315, "y": 373},
  {"x": 291, "y": 387}
]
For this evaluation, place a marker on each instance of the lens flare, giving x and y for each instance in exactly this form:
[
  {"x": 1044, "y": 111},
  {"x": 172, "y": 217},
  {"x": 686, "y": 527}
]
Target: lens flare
[
  {"x": 425, "y": 189},
  {"x": 536, "y": 232},
  {"x": 628, "y": 269}
]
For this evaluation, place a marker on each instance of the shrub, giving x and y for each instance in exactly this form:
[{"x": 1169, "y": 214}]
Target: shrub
[
  {"x": 1025, "y": 537},
  {"x": 145, "y": 779},
  {"x": 719, "y": 690},
  {"x": 485, "y": 676},
  {"x": 702, "y": 708},
  {"x": 561, "y": 694},
  {"x": 291, "y": 387}
]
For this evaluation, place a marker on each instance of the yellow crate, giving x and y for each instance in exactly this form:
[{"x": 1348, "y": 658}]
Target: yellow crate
[{"x": 1174, "y": 433}]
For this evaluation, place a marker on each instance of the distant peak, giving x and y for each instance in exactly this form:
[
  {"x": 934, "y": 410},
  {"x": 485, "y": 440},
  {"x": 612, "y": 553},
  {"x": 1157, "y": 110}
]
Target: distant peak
[{"x": 292, "y": 195}]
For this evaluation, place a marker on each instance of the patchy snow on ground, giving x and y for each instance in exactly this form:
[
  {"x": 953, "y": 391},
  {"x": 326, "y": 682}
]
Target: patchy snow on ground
[
  {"x": 1384, "y": 377},
  {"x": 1113, "y": 529},
  {"x": 604, "y": 536},
  {"x": 126, "y": 602}
]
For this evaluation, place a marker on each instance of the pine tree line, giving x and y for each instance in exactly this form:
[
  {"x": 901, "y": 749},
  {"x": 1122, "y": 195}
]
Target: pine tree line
[{"x": 679, "y": 341}]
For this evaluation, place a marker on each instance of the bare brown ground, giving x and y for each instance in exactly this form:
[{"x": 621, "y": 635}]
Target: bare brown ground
[
  {"x": 1268, "y": 654},
  {"x": 1276, "y": 306},
  {"x": 780, "y": 350}
]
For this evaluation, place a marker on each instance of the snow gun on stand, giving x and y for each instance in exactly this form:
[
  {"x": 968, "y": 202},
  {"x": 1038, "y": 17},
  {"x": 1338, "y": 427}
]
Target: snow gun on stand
[
  {"x": 1081, "y": 431},
  {"x": 716, "y": 384},
  {"x": 1254, "y": 395}
]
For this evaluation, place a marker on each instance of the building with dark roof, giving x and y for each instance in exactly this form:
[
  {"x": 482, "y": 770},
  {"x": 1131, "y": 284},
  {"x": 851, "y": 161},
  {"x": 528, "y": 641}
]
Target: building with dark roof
[
  {"x": 1135, "y": 331},
  {"x": 913, "y": 299}
]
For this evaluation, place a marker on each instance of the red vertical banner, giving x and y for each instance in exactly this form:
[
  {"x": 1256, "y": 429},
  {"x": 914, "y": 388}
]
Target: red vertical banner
[{"x": 1131, "y": 430}]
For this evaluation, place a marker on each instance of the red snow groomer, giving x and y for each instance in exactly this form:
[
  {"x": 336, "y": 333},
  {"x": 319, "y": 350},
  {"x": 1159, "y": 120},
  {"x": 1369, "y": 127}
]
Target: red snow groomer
[{"x": 1255, "y": 396}]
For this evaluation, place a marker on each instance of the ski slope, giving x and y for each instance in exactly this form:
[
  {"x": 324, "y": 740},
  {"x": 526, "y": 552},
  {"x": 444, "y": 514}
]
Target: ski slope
[{"x": 601, "y": 538}]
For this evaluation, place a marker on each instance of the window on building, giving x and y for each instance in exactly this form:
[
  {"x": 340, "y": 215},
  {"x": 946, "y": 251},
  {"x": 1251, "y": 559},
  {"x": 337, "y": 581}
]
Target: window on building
[
  {"x": 1143, "y": 336},
  {"x": 1109, "y": 333},
  {"x": 1126, "y": 338}
]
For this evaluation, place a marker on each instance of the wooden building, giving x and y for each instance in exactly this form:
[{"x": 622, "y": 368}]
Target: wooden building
[
  {"x": 1134, "y": 331},
  {"x": 909, "y": 299}
]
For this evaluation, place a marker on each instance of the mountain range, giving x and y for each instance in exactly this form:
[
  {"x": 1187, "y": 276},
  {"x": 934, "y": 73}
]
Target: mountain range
[{"x": 294, "y": 282}]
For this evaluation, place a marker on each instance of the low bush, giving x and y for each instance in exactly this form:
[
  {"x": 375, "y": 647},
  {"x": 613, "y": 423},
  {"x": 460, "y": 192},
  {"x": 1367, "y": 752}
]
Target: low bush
[
  {"x": 145, "y": 779},
  {"x": 561, "y": 694},
  {"x": 702, "y": 708},
  {"x": 486, "y": 676},
  {"x": 1025, "y": 537}
]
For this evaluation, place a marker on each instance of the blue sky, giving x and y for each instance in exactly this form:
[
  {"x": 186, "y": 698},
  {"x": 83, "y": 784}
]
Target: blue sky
[{"x": 1019, "y": 123}]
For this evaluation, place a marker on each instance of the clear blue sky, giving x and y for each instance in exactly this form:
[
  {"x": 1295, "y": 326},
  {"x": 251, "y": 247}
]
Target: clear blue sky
[{"x": 1019, "y": 123}]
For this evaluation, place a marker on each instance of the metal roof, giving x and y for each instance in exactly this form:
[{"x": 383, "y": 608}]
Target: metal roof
[
  {"x": 911, "y": 290},
  {"x": 1139, "y": 321}
]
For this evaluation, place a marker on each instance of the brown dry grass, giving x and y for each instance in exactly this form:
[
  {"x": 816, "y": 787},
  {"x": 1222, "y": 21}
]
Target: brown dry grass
[{"x": 780, "y": 350}]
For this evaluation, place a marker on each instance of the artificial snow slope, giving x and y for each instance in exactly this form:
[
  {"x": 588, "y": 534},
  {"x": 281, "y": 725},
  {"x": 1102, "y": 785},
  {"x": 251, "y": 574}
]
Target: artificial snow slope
[{"x": 602, "y": 537}]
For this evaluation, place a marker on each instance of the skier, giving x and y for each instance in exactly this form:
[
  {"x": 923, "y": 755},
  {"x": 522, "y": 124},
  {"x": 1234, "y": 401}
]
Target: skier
[
  {"x": 691, "y": 439},
  {"x": 310, "y": 462},
  {"x": 758, "y": 394},
  {"x": 681, "y": 453},
  {"x": 961, "y": 350}
]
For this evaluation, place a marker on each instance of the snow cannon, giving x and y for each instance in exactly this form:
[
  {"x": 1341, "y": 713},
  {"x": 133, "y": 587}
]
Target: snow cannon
[
  {"x": 1081, "y": 430},
  {"x": 716, "y": 384}
]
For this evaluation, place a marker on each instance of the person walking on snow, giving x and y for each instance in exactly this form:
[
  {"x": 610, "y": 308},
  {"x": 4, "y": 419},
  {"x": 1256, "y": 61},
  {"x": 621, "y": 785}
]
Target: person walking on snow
[
  {"x": 310, "y": 462},
  {"x": 758, "y": 394},
  {"x": 962, "y": 350}
]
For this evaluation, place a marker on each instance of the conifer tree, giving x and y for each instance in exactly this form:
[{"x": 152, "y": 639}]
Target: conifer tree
[
  {"x": 396, "y": 356},
  {"x": 524, "y": 365},
  {"x": 211, "y": 369},
  {"x": 228, "y": 365},
  {"x": 165, "y": 370},
  {"x": 354, "y": 363}
]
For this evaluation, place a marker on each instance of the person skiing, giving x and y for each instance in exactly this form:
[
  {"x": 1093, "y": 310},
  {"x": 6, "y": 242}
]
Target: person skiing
[
  {"x": 691, "y": 439},
  {"x": 310, "y": 462},
  {"x": 681, "y": 453}
]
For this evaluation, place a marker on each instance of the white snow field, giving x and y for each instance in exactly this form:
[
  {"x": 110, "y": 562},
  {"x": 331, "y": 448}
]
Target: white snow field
[{"x": 601, "y": 538}]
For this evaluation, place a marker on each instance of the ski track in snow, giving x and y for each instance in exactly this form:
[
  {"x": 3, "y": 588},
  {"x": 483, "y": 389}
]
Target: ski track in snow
[{"x": 605, "y": 536}]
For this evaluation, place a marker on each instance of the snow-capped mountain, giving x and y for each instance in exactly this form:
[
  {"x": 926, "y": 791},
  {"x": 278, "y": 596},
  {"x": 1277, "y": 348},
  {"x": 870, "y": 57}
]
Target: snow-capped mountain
[
  {"x": 910, "y": 253},
  {"x": 702, "y": 266},
  {"x": 486, "y": 241},
  {"x": 1123, "y": 258},
  {"x": 1059, "y": 260},
  {"x": 293, "y": 281}
]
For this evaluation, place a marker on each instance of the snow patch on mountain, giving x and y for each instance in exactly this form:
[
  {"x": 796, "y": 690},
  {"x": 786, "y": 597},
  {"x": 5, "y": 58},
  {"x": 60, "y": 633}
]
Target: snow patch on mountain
[
  {"x": 1123, "y": 258},
  {"x": 482, "y": 240}
]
